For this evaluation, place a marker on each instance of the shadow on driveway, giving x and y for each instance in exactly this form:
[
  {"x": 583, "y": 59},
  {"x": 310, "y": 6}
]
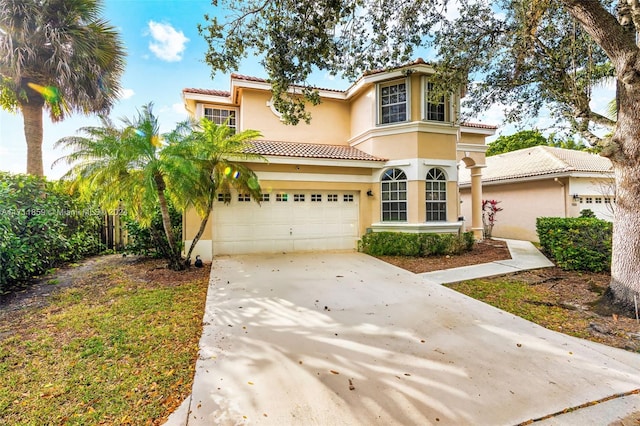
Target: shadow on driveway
[{"x": 345, "y": 339}]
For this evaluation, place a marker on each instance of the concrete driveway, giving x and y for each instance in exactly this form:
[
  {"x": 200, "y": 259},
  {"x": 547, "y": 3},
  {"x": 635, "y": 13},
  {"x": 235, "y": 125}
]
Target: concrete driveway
[{"x": 345, "y": 339}]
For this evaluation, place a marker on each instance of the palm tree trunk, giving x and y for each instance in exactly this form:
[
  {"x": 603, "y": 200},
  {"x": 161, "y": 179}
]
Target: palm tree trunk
[
  {"x": 175, "y": 260},
  {"x": 203, "y": 224},
  {"x": 32, "y": 116}
]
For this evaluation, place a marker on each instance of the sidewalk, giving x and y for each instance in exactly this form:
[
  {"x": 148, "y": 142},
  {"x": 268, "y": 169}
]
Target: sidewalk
[{"x": 524, "y": 256}]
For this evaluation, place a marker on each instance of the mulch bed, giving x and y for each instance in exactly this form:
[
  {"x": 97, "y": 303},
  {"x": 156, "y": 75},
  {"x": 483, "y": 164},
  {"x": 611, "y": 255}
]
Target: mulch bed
[{"x": 483, "y": 252}]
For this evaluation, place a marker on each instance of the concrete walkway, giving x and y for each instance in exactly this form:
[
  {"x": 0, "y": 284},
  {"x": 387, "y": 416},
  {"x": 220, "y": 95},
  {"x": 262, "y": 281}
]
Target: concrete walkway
[
  {"x": 345, "y": 339},
  {"x": 524, "y": 256}
]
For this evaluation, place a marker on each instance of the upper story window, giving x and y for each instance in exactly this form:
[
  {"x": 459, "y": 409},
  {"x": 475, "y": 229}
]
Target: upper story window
[
  {"x": 435, "y": 107},
  {"x": 221, "y": 116},
  {"x": 394, "y": 196},
  {"x": 436, "y": 195},
  {"x": 393, "y": 105}
]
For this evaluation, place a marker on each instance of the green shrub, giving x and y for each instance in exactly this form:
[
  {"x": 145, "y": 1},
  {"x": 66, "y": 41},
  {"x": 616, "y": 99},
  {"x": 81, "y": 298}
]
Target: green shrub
[
  {"x": 151, "y": 240},
  {"x": 41, "y": 226},
  {"x": 390, "y": 243},
  {"x": 582, "y": 243},
  {"x": 406, "y": 244},
  {"x": 587, "y": 213}
]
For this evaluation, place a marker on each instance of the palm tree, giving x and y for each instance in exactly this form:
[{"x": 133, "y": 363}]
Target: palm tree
[
  {"x": 59, "y": 55},
  {"x": 115, "y": 166},
  {"x": 210, "y": 158}
]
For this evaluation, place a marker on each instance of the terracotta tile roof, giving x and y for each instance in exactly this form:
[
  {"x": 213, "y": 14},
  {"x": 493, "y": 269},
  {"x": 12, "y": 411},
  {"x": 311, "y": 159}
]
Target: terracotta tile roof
[
  {"x": 211, "y": 92},
  {"x": 479, "y": 126},
  {"x": 309, "y": 150},
  {"x": 538, "y": 161},
  {"x": 418, "y": 61},
  {"x": 262, "y": 80}
]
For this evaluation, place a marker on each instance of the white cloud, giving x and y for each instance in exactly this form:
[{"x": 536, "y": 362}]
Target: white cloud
[
  {"x": 179, "y": 108},
  {"x": 168, "y": 44},
  {"x": 126, "y": 93}
]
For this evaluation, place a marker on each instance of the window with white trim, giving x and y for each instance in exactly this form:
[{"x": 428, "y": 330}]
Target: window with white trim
[
  {"x": 315, "y": 198},
  {"x": 436, "y": 195},
  {"x": 393, "y": 105},
  {"x": 244, "y": 197},
  {"x": 298, "y": 198},
  {"x": 347, "y": 198},
  {"x": 394, "y": 196},
  {"x": 332, "y": 198},
  {"x": 282, "y": 197},
  {"x": 264, "y": 197},
  {"x": 598, "y": 200},
  {"x": 589, "y": 200},
  {"x": 224, "y": 198},
  {"x": 435, "y": 107},
  {"x": 221, "y": 116}
]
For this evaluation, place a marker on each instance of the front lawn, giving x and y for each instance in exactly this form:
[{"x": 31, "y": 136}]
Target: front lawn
[
  {"x": 115, "y": 346},
  {"x": 570, "y": 302}
]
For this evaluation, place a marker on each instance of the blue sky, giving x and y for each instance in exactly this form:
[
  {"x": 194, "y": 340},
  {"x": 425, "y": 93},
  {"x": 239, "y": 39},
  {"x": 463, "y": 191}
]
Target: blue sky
[{"x": 165, "y": 54}]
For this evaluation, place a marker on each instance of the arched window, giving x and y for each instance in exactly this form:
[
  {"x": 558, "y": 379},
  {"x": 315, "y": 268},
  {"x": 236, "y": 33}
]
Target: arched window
[
  {"x": 436, "y": 195},
  {"x": 394, "y": 196}
]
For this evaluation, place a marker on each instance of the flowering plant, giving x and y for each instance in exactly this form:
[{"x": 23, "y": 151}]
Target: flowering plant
[{"x": 489, "y": 210}]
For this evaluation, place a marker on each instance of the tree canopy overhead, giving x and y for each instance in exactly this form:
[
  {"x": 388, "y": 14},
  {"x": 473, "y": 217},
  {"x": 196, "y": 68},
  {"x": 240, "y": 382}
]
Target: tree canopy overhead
[
  {"x": 521, "y": 53},
  {"x": 530, "y": 138}
]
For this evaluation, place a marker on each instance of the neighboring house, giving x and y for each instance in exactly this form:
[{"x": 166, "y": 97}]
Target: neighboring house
[
  {"x": 381, "y": 155},
  {"x": 542, "y": 182}
]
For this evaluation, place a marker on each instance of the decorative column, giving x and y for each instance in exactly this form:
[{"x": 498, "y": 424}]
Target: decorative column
[{"x": 476, "y": 202}]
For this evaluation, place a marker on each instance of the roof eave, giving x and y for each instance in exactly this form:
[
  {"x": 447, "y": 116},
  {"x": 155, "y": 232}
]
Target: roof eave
[
  {"x": 485, "y": 131},
  {"x": 314, "y": 161},
  {"x": 542, "y": 176},
  {"x": 241, "y": 82}
]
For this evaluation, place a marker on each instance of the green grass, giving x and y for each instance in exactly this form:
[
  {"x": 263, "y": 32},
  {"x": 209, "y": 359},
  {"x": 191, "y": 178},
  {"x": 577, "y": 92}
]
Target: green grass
[
  {"x": 533, "y": 303},
  {"x": 118, "y": 351}
]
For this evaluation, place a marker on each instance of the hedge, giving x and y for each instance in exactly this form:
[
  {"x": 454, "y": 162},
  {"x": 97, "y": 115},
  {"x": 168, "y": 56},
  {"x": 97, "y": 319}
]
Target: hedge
[
  {"x": 580, "y": 243},
  {"x": 416, "y": 245},
  {"x": 41, "y": 226},
  {"x": 152, "y": 240}
]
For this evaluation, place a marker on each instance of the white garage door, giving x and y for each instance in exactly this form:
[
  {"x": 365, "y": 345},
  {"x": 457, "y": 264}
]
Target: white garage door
[{"x": 286, "y": 221}]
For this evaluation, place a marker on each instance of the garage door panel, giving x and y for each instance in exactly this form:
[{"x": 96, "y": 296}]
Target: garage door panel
[
  {"x": 312, "y": 230},
  {"x": 274, "y": 226}
]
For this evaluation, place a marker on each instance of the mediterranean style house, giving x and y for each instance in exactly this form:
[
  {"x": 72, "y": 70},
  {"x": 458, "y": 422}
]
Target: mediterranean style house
[
  {"x": 382, "y": 155},
  {"x": 542, "y": 182}
]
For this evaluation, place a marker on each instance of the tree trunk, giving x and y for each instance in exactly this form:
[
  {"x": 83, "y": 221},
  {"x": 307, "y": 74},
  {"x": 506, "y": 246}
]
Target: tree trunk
[
  {"x": 32, "y": 116},
  {"x": 619, "y": 43},
  {"x": 203, "y": 224},
  {"x": 625, "y": 257},
  {"x": 625, "y": 155},
  {"x": 175, "y": 260}
]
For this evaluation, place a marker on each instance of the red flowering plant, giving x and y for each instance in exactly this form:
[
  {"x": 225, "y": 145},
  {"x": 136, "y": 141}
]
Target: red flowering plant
[{"x": 489, "y": 210}]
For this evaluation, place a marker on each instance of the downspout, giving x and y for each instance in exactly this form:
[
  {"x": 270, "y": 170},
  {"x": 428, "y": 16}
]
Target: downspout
[{"x": 564, "y": 195}]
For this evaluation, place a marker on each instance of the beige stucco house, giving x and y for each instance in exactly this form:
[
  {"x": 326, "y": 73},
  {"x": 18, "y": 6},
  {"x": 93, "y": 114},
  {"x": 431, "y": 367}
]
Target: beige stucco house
[
  {"x": 542, "y": 182},
  {"x": 380, "y": 155}
]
